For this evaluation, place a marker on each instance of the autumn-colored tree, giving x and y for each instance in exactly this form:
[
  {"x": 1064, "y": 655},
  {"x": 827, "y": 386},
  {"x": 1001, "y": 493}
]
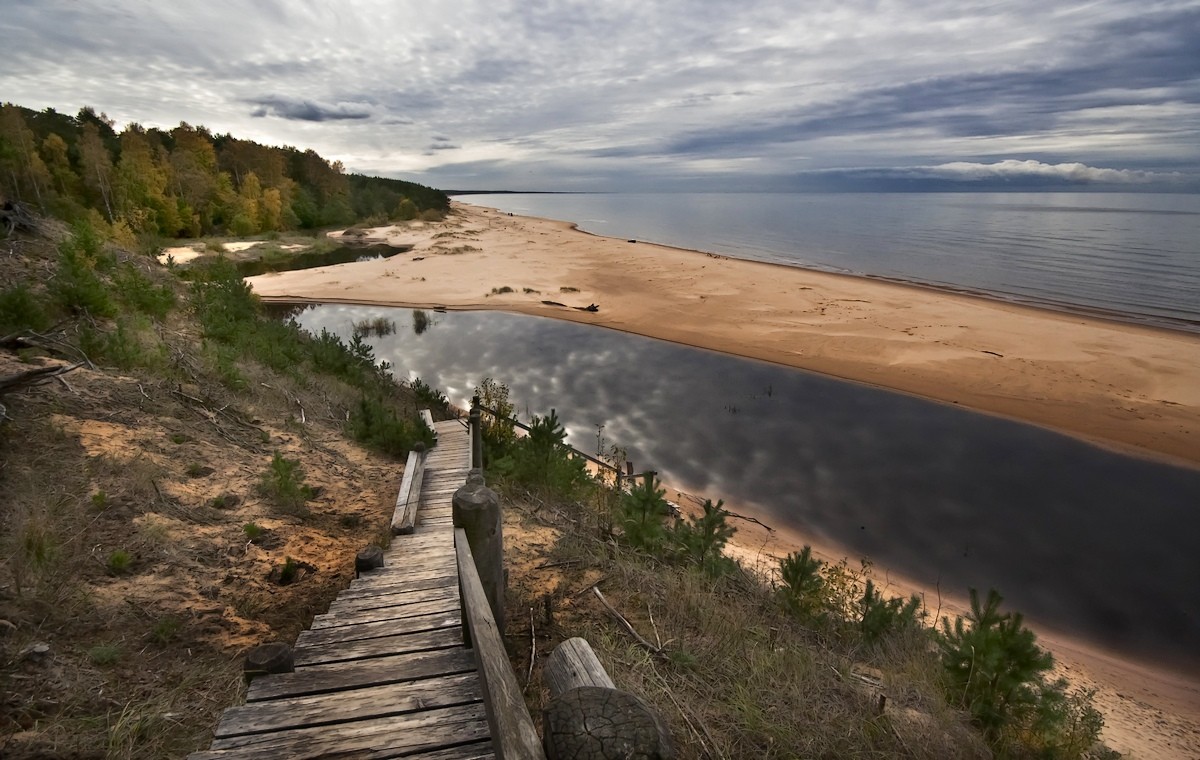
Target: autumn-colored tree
[{"x": 24, "y": 173}]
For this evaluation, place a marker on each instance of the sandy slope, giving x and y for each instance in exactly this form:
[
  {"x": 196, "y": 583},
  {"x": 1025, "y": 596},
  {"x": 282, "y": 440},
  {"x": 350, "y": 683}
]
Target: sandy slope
[{"x": 1126, "y": 386}]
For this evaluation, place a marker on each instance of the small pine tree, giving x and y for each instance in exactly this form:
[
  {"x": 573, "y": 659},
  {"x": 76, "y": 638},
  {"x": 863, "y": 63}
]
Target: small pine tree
[
  {"x": 879, "y": 617},
  {"x": 803, "y": 589},
  {"x": 994, "y": 665},
  {"x": 701, "y": 540},
  {"x": 642, "y": 511}
]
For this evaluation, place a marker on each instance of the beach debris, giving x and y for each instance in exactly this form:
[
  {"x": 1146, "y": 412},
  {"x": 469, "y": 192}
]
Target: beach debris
[
  {"x": 590, "y": 307},
  {"x": 993, "y": 353},
  {"x": 632, "y": 241},
  {"x": 554, "y": 303}
]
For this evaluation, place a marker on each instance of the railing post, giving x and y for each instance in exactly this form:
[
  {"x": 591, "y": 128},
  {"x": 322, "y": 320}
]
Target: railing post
[
  {"x": 476, "y": 434},
  {"x": 476, "y": 509}
]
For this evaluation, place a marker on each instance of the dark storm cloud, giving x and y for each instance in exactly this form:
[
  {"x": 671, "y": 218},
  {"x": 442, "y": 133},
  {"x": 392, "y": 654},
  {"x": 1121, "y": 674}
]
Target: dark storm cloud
[{"x": 307, "y": 110}]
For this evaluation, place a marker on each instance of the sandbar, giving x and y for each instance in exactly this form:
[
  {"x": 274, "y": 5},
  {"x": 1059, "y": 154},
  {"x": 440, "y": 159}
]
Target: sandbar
[{"x": 1127, "y": 386}]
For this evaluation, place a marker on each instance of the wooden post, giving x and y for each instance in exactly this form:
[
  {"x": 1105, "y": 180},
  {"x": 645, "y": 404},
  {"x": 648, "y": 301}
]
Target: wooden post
[
  {"x": 650, "y": 475},
  {"x": 275, "y": 657},
  {"x": 476, "y": 434},
  {"x": 573, "y": 664},
  {"x": 370, "y": 558},
  {"x": 476, "y": 509}
]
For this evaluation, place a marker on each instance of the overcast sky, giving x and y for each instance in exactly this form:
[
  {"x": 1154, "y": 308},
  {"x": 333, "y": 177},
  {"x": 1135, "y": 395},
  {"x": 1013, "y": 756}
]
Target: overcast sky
[{"x": 648, "y": 94}]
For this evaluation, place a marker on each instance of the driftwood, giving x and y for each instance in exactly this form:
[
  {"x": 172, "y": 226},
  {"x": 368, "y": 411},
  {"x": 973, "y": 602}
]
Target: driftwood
[
  {"x": 17, "y": 216},
  {"x": 29, "y": 378}
]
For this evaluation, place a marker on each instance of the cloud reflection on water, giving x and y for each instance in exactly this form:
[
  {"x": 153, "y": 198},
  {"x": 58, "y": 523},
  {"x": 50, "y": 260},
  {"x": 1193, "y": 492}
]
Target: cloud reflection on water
[{"x": 1075, "y": 536}]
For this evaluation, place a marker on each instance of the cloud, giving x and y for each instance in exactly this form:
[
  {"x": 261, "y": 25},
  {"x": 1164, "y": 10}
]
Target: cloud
[
  {"x": 308, "y": 110},
  {"x": 1013, "y": 169}
]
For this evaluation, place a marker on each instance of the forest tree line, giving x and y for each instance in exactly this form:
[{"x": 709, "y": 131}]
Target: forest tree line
[{"x": 186, "y": 182}]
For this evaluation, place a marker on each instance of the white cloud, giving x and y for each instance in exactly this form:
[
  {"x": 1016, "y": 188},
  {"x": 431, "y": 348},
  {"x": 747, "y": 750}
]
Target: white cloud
[{"x": 1068, "y": 172}]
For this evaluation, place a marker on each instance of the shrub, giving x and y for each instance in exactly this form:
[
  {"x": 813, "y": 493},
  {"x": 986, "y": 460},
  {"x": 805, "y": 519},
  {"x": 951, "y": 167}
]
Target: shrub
[
  {"x": 377, "y": 425},
  {"x": 499, "y": 435},
  {"x": 642, "y": 512},
  {"x": 76, "y": 286},
  {"x": 137, "y": 292},
  {"x": 119, "y": 562},
  {"x": 879, "y": 617},
  {"x": 283, "y": 483},
  {"x": 20, "y": 310},
  {"x": 701, "y": 540},
  {"x": 803, "y": 587},
  {"x": 253, "y": 531},
  {"x": 542, "y": 460},
  {"x": 104, "y": 654},
  {"x": 429, "y": 396},
  {"x": 993, "y": 665}
]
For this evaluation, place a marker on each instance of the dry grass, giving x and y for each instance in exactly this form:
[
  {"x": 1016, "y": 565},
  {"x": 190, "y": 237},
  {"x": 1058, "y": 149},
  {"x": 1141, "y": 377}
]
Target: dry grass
[
  {"x": 140, "y": 663},
  {"x": 735, "y": 677}
]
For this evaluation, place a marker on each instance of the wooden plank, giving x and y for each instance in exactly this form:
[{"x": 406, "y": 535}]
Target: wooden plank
[
  {"x": 409, "y": 496},
  {"x": 398, "y": 599},
  {"x": 478, "y": 751},
  {"x": 427, "y": 418},
  {"x": 417, "y": 608},
  {"x": 345, "y": 651},
  {"x": 377, "y": 738},
  {"x": 344, "y": 706},
  {"x": 437, "y": 577},
  {"x": 378, "y": 671},
  {"x": 513, "y": 734},
  {"x": 414, "y": 624}
]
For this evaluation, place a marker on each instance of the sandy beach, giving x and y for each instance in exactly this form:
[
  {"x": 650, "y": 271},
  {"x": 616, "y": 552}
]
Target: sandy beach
[{"x": 1129, "y": 387}]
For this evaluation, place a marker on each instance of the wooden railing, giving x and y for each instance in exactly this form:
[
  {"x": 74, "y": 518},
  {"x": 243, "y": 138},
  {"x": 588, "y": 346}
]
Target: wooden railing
[{"x": 513, "y": 734}]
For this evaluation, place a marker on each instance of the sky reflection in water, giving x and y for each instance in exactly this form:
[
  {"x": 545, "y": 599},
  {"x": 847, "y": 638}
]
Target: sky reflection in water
[{"x": 1074, "y": 536}]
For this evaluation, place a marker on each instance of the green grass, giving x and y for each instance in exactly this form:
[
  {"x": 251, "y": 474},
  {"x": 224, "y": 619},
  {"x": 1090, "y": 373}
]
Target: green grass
[{"x": 119, "y": 562}]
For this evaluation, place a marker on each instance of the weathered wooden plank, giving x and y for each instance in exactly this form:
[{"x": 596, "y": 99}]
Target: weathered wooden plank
[
  {"x": 427, "y": 418},
  {"x": 377, "y": 671},
  {"x": 407, "y": 501},
  {"x": 357, "y": 704},
  {"x": 344, "y": 651},
  {"x": 377, "y": 738},
  {"x": 513, "y": 734},
  {"x": 398, "y": 584},
  {"x": 413, "y": 624},
  {"x": 478, "y": 751},
  {"x": 416, "y": 608},
  {"x": 342, "y": 606}
]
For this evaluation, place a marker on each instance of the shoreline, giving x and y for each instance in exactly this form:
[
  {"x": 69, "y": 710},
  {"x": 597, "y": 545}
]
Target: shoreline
[
  {"x": 1128, "y": 387},
  {"x": 1149, "y": 710},
  {"x": 1132, "y": 388}
]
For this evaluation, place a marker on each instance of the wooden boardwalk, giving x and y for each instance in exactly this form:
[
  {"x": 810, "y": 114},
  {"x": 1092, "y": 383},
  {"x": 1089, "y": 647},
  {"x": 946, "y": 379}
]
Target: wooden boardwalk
[{"x": 384, "y": 673}]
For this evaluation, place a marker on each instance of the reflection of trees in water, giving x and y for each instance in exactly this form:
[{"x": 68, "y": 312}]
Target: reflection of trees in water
[{"x": 420, "y": 321}]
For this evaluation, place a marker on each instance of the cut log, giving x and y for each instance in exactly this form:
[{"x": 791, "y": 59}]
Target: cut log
[
  {"x": 594, "y": 723},
  {"x": 573, "y": 664},
  {"x": 370, "y": 558}
]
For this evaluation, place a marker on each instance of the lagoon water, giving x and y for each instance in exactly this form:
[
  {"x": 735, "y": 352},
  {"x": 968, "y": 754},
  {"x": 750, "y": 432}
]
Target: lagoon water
[
  {"x": 1077, "y": 537},
  {"x": 1136, "y": 255}
]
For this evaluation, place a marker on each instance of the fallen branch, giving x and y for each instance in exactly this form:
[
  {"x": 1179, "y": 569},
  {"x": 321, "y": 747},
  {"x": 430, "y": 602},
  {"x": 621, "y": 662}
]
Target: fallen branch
[{"x": 656, "y": 651}]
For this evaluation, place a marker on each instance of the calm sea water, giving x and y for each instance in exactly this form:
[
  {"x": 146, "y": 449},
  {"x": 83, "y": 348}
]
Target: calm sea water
[
  {"x": 1133, "y": 255},
  {"x": 1077, "y": 537}
]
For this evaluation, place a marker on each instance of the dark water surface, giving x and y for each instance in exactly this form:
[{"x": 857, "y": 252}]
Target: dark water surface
[
  {"x": 1136, "y": 255},
  {"x": 1079, "y": 538},
  {"x": 343, "y": 255}
]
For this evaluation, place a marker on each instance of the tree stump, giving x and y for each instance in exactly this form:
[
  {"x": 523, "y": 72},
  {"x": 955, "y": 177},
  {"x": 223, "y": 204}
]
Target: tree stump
[
  {"x": 595, "y": 723},
  {"x": 275, "y": 657}
]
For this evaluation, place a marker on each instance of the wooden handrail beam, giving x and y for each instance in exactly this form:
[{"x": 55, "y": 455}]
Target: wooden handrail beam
[{"x": 513, "y": 734}]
